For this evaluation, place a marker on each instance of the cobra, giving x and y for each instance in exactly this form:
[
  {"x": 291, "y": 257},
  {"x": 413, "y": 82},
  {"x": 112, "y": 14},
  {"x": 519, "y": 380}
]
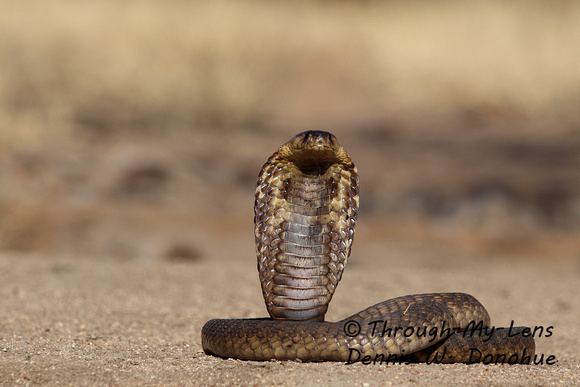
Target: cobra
[{"x": 305, "y": 212}]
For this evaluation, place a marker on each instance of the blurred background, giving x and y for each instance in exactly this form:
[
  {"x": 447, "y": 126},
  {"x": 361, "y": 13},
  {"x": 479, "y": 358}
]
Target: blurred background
[{"x": 136, "y": 129}]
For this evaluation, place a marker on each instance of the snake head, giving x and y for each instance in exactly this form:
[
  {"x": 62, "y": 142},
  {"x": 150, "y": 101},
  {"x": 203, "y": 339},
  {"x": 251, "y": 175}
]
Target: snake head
[{"x": 313, "y": 151}]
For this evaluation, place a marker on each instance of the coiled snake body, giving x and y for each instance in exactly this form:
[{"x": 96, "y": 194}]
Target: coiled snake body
[{"x": 305, "y": 213}]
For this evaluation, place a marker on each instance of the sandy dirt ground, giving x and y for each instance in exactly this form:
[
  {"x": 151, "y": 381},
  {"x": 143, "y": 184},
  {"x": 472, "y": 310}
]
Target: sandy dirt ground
[
  {"x": 80, "y": 322},
  {"x": 132, "y": 133}
]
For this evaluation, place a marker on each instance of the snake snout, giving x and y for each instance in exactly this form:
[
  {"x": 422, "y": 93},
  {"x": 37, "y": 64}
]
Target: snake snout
[
  {"x": 317, "y": 139},
  {"x": 313, "y": 140}
]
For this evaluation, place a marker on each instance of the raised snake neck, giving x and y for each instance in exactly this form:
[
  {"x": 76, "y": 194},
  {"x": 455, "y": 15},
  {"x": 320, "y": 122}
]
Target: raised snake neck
[{"x": 305, "y": 213}]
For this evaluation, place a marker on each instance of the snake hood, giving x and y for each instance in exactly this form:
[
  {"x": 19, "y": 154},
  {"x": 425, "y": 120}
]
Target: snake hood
[{"x": 304, "y": 213}]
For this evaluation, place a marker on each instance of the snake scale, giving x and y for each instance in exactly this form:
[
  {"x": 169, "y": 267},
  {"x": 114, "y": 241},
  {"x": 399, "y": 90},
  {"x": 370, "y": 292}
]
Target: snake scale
[{"x": 305, "y": 211}]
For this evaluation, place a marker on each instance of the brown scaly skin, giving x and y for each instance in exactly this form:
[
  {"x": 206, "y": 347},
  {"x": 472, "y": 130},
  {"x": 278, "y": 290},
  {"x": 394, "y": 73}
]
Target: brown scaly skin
[{"x": 305, "y": 213}]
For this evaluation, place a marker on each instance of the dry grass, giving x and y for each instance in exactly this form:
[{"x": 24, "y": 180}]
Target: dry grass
[
  {"x": 110, "y": 65},
  {"x": 461, "y": 116}
]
